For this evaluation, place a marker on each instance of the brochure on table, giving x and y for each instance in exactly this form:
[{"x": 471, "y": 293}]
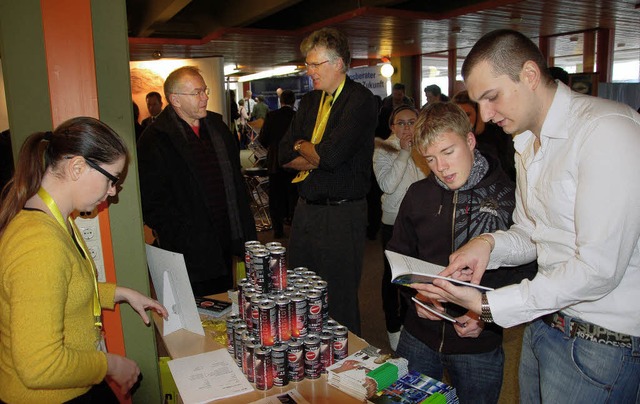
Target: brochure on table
[
  {"x": 208, "y": 376},
  {"x": 173, "y": 289}
]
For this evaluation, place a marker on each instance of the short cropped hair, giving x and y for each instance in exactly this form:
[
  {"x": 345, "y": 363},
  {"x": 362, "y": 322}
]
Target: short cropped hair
[
  {"x": 506, "y": 51},
  {"x": 175, "y": 77},
  {"x": 433, "y": 89},
  {"x": 335, "y": 41},
  {"x": 287, "y": 97},
  {"x": 398, "y": 86},
  {"x": 154, "y": 94},
  {"x": 437, "y": 119}
]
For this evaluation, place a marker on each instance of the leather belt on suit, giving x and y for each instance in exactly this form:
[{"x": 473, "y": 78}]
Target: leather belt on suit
[{"x": 330, "y": 202}]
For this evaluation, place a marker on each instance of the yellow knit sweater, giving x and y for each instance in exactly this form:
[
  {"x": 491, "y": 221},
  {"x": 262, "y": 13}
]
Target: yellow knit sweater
[{"x": 47, "y": 334}]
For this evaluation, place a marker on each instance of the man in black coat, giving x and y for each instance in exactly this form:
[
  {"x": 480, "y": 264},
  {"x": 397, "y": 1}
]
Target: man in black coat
[
  {"x": 193, "y": 192},
  {"x": 282, "y": 194},
  {"x": 330, "y": 144}
]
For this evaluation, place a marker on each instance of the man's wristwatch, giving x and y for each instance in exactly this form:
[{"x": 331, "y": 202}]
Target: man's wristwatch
[
  {"x": 297, "y": 146},
  {"x": 485, "y": 315}
]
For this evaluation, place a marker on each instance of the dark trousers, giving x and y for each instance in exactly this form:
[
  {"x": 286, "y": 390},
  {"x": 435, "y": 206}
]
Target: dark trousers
[
  {"x": 98, "y": 394},
  {"x": 394, "y": 306},
  {"x": 282, "y": 200},
  {"x": 330, "y": 241}
]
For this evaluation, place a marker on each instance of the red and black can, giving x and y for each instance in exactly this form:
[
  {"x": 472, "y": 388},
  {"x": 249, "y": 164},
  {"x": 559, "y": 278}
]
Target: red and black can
[
  {"x": 283, "y": 318},
  {"x": 340, "y": 342},
  {"x": 272, "y": 244},
  {"x": 278, "y": 268},
  {"x": 279, "y": 361},
  {"x": 298, "y": 315},
  {"x": 239, "y": 333},
  {"x": 331, "y": 324},
  {"x": 323, "y": 287},
  {"x": 308, "y": 274},
  {"x": 314, "y": 311},
  {"x": 263, "y": 368},
  {"x": 267, "y": 323},
  {"x": 326, "y": 350},
  {"x": 248, "y": 368},
  {"x": 255, "y": 313},
  {"x": 248, "y": 245},
  {"x": 232, "y": 319},
  {"x": 244, "y": 304},
  {"x": 296, "y": 360},
  {"x": 260, "y": 270},
  {"x": 312, "y": 366}
]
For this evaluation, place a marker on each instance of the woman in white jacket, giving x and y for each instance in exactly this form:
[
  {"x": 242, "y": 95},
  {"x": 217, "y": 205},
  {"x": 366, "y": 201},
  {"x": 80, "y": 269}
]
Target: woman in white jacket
[{"x": 396, "y": 167}]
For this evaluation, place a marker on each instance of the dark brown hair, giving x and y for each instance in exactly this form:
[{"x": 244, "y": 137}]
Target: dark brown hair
[
  {"x": 82, "y": 136},
  {"x": 506, "y": 51}
]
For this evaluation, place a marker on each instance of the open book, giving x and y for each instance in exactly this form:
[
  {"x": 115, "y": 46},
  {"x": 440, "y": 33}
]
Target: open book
[{"x": 406, "y": 270}]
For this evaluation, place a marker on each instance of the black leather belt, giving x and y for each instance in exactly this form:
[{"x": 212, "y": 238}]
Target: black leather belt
[
  {"x": 330, "y": 202},
  {"x": 587, "y": 331}
]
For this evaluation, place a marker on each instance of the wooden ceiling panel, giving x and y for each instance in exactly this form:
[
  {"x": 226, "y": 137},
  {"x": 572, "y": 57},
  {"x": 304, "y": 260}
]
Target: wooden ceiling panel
[{"x": 389, "y": 30}]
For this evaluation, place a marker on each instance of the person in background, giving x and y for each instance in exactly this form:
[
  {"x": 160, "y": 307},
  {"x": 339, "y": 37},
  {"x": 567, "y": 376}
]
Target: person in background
[
  {"x": 136, "y": 125},
  {"x": 193, "y": 192},
  {"x": 154, "y": 106},
  {"x": 490, "y": 138},
  {"x": 282, "y": 193},
  {"x": 249, "y": 102},
  {"x": 330, "y": 144},
  {"x": 389, "y": 104},
  {"x": 465, "y": 195},
  {"x": 576, "y": 213},
  {"x": 396, "y": 167},
  {"x": 434, "y": 94},
  {"x": 58, "y": 355},
  {"x": 558, "y": 73},
  {"x": 260, "y": 110}
]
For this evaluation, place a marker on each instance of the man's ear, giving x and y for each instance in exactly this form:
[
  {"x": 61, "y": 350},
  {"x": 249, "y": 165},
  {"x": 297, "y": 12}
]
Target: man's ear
[
  {"x": 530, "y": 74},
  {"x": 471, "y": 141}
]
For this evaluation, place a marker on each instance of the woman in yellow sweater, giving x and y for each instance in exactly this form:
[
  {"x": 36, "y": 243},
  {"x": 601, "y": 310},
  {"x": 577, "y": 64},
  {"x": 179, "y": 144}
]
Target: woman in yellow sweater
[{"x": 51, "y": 349}]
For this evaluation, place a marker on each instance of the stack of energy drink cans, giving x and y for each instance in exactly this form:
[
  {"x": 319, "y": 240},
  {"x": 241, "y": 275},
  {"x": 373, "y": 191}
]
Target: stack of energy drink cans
[{"x": 282, "y": 332}]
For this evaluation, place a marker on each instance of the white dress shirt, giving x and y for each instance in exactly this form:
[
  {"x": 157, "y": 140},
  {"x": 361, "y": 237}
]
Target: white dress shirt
[{"x": 578, "y": 211}]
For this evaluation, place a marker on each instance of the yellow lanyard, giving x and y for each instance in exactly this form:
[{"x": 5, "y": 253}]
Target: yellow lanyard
[
  {"x": 326, "y": 102},
  {"x": 53, "y": 208}
]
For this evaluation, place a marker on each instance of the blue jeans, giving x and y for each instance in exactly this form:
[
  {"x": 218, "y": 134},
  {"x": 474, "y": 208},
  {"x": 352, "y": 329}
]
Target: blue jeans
[
  {"x": 477, "y": 377},
  {"x": 555, "y": 368}
]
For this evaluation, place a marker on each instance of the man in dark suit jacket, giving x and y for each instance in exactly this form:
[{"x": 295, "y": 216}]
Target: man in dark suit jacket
[
  {"x": 193, "y": 192},
  {"x": 282, "y": 194},
  {"x": 333, "y": 155}
]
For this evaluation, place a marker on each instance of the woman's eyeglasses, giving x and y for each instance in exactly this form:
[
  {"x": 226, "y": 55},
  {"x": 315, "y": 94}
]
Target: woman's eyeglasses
[{"x": 114, "y": 180}]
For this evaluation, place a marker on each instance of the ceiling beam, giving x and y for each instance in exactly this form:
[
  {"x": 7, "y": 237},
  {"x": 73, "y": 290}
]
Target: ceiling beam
[{"x": 158, "y": 12}]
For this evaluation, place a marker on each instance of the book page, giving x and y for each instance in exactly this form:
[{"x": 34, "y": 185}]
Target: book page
[{"x": 406, "y": 270}]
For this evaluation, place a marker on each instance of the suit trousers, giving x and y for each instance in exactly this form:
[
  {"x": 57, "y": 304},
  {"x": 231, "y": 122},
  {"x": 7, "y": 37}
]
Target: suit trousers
[{"x": 330, "y": 240}]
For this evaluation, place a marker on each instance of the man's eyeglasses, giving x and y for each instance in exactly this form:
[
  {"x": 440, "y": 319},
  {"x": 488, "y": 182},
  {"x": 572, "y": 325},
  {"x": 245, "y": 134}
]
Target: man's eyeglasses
[
  {"x": 404, "y": 124},
  {"x": 314, "y": 65},
  {"x": 114, "y": 180},
  {"x": 197, "y": 93}
]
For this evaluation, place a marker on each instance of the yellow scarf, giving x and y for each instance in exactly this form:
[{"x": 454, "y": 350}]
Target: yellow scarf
[{"x": 321, "y": 123}]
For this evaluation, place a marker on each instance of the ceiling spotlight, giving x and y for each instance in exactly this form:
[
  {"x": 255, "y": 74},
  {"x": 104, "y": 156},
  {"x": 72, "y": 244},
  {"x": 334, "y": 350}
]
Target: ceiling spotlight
[
  {"x": 387, "y": 70},
  {"x": 156, "y": 54}
]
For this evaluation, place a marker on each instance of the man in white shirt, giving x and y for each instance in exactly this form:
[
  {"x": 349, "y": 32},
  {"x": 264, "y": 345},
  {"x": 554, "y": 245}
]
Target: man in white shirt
[{"x": 577, "y": 212}]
